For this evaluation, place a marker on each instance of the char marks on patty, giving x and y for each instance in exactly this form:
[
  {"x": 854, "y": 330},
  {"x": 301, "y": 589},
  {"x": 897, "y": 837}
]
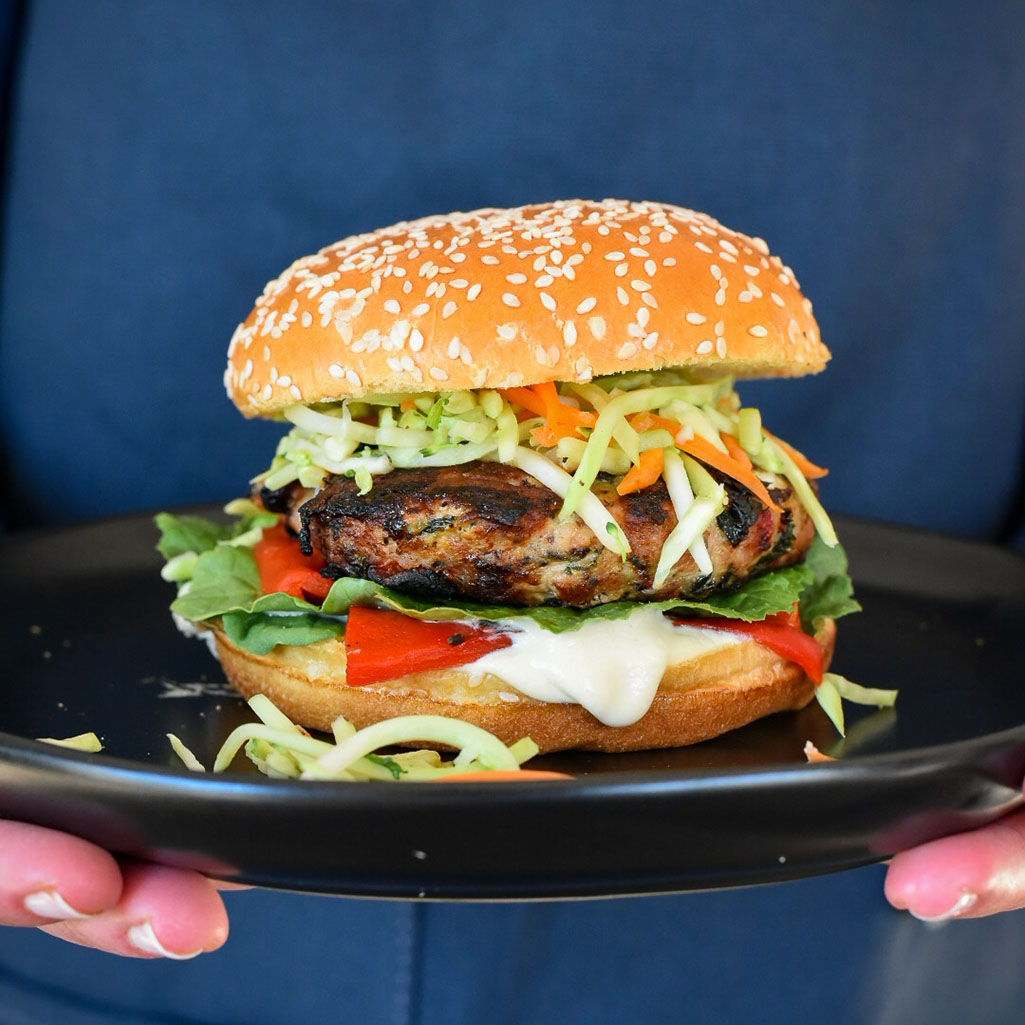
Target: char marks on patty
[{"x": 488, "y": 532}]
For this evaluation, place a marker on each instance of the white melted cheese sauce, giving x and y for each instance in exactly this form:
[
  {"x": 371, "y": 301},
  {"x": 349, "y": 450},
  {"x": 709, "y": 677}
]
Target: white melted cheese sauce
[{"x": 611, "y": 667}]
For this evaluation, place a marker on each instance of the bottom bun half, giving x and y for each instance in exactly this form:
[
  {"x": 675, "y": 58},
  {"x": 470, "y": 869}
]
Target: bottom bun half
[{"x": 696, "y": 700}]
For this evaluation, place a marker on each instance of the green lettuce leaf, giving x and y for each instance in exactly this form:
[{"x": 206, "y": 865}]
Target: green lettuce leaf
[
  {"x": 180, "y": 534},
  {"x": 773, "y": 592},
  {"x": 830, "y": 592}
]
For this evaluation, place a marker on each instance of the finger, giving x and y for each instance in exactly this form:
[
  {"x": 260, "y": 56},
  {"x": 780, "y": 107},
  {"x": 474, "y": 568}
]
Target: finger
[
  {"x": 163, "y": 912},
  {"x": 47, "y": 876},
  {"x": 964, "y": 876}
]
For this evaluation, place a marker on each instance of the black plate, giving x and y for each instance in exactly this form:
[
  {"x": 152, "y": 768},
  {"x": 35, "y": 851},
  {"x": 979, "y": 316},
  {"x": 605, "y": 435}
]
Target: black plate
[{"x": 90, "y": 646}]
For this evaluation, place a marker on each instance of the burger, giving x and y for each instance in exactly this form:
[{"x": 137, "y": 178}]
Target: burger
[{"x": 517, "y": 486}]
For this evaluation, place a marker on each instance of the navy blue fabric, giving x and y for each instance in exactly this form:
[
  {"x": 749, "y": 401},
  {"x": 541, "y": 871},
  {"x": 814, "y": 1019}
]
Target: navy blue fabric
[{"x": 165, "y": 159}]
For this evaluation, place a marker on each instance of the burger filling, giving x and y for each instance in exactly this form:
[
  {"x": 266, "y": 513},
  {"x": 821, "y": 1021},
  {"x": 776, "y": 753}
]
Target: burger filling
[{"x": 569, "y": 504}]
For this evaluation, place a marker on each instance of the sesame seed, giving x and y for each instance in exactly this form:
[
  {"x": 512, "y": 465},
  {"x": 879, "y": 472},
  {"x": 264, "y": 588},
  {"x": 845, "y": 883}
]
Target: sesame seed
[
  {"x": 720, "y": 328},
  {"x": 307, "y": 318},
  {"x": 506, "y": 331},
  {"x": 587, "y": 305},
  {"x": 448, "y": 309},
  {"x": 516, "y": 279},
  {"x": 716, "y": 271},
  {"x": 720, "y": 297},
  {"x": 489, "y": 259},
  {"x": 757, "y": 330},
  {"x": 720, "y": 347},
  {"x": 745, "y": 296},
  {"x": 510, "y": 299},
  {"x": 615, "y": 256},
  {"x": 392, "y": 306},
  {"x": 695, "y": 318},
  {"x": 335, "y": 370},
  {"x": 421, "y": 309},
  {"x": 544, "y": 281},
  {"x": 597, "y": 326},
  {"x": 626, "y": 350},
  {"x": 669, "y": 261},
  {"x": 752, "y": 270},
  {"x": 704, "y": 347},
  {"x": 622, "y": 269},
  {"x": 416, "y": 340},
  {"x": 622, "y": 295},
  {"x": 650, "y": 267},
  {"x": 639, "y": 286},
  {"x": 777, "y": 299},
  {"x": 651, "y": 340},
  {"x": 547, "y": 301},
  {"x": 438, "y": 374},
  {"x": 704, "y": 248},
  {"x": 473, "y": 291}
]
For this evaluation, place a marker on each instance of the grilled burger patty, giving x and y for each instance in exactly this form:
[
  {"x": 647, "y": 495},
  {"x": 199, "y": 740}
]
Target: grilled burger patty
[{"x": 489, "y": 532}]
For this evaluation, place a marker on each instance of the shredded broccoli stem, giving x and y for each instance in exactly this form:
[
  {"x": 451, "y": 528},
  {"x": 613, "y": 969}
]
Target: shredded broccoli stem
[
  {"x": 281, "y": 749},
  {"x": 371, "y": 436}
]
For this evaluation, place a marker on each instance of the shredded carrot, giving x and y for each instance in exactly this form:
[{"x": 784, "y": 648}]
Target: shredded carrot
[
  {"x": 406, "y": 405},
  {"x": 526, "y": 398},
  {"x": 642, "y": 422},
  {"x": 706, "y": 452},
  {"x": 813, "y": 754},
  {"x": 561, "y": 419},
  {"x": 804, "y": 464},
  {"x": 643, "y": 473},
  {"x": 736, "y": 450},
  {"x": 500, "y": 776}
]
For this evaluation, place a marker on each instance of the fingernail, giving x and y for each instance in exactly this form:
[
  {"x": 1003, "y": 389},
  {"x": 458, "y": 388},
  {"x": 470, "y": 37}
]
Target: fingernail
[
  {"x": 143, "y": 938},
  {"x": 50, "y": 904},
  {"x": 959, "y": 907}
]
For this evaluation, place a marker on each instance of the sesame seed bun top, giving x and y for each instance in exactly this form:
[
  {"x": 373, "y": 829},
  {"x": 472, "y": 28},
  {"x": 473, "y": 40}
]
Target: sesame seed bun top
[{"x": 496, "y": 298}]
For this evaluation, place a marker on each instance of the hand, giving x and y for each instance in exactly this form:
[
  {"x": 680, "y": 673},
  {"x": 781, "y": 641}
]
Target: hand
[
  {"x": 74, "y": 890},
  {"x": 968, "y": 875}
]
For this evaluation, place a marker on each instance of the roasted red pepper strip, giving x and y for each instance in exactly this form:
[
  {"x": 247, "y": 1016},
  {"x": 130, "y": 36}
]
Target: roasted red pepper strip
[
  {"x": 283, "y": 567},
  {"x": 384, "y": 645},
  {"x": 781, "y": 632}
]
